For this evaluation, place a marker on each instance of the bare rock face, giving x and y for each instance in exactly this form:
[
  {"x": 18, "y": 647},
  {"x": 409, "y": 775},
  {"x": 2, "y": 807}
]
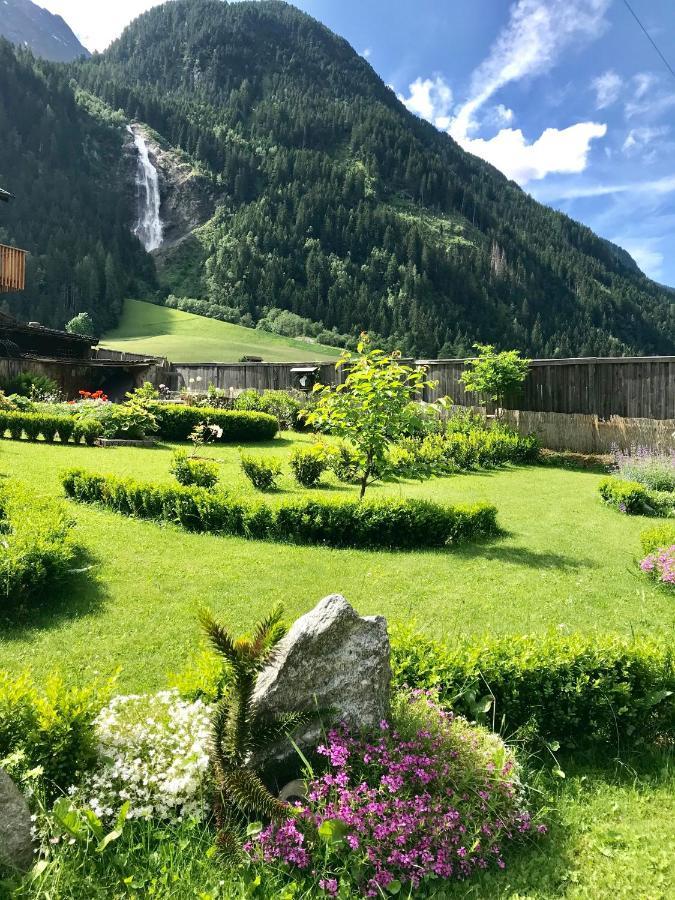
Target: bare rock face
[
  {"x": 16, "y": 843},
  {"x": 331, "y": 658}
]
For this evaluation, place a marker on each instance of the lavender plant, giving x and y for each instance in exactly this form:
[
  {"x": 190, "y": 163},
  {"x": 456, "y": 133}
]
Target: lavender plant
[{"x": 655, "y": 469}]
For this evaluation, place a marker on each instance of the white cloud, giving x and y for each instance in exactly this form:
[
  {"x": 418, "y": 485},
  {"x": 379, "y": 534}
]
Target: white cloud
[
  {"x": 367, "y": 53},
  {"x": 556, "y": 150},
  {"x": 431, "y": 99},
  {"x": 640, "y": 138},
  {"x": 98, "y": 23},
  {"x": 643, "y": 81},
  {"x": 537, "y": 33},
  {"x": 607, "y": 88},
  {"x": 554, "y": 192},
  {"x": 645, "y": 253}
]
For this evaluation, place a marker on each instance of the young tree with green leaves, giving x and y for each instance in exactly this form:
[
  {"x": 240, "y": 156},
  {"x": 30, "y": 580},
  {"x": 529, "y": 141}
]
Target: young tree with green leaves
[
  {"x": 81, "y": 324},
  {"x": 495, "y": 374},
  {"x": 370, "y": 407}
]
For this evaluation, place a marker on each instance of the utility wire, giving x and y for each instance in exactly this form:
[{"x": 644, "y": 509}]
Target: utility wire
[{"x": 649, "y": 38}]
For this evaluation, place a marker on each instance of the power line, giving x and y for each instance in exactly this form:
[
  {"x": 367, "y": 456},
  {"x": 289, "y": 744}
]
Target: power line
[{"x": 650, "y": 38}]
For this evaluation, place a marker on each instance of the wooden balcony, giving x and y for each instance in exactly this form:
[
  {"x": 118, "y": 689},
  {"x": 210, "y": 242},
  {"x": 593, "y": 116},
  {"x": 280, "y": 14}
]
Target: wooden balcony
[{"x": 12, "y": 269}]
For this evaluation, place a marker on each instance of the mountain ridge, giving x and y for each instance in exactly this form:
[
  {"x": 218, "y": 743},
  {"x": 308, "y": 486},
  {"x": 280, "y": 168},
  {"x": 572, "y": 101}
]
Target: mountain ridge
[{"x": 46, "y": 34}]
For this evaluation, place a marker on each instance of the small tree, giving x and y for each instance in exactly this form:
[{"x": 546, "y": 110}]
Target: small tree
[
  {"x": 370, "y": 408},
  {"x": 81, "y": 324},
  {"x": 495, "y": 374}
]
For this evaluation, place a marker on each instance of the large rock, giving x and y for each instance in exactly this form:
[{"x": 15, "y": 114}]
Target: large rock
[
  {"x": 334, "y": 659},
  {"x": 16, "y": 843}
]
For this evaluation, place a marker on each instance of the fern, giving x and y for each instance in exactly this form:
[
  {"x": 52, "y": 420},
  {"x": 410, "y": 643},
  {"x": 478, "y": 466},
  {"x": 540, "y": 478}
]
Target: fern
[{"x": 238, "y": 731}]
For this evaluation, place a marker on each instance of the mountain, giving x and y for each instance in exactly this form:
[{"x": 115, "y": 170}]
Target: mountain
[
  {"x": 61, "y": 156},
  {"x": 29, "y": 25},
  {"x": 326, "y": 201}
]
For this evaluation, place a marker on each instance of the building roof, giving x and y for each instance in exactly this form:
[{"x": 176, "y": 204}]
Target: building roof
[{"x": 9, "y": 323}]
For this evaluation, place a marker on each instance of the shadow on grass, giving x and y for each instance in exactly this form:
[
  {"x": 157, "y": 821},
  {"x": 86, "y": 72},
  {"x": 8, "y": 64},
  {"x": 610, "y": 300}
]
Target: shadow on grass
[
  {"x": 80, "y": 593},
  {"x": 523, "y": 556}
]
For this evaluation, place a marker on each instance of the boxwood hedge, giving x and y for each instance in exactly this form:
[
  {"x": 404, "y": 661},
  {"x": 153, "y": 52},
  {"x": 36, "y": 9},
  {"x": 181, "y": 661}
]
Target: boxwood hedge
[
  {"x": 388, "y": 523},
  {"x": 582, "y": 691},
  {"x": 177, "y": 421}
]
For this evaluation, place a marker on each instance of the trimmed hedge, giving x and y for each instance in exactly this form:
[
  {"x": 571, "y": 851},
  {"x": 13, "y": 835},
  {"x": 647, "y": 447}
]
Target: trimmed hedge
[
  {"x": 36, "y": 547},
  {"x": 634, "y": 499},
  {"x": 582, "y": 691},
  {"x": 388, "y": 523},
  {"x": 657, "y": 538},
  {"x": 47, "y": 425},
  {"x": 177, "y": 421}
]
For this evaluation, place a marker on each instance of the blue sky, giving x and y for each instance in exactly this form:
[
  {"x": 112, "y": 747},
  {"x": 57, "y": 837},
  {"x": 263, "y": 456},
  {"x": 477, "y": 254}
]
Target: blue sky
[{"x": 567, "y": 97}]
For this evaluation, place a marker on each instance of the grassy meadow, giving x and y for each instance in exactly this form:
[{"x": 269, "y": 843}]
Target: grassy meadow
[{"x": 184, "y": 337}]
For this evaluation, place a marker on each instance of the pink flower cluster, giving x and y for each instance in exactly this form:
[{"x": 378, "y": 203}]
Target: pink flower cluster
[
  {"x": 661, "y": 565},
  {"x": 405, "y": 810}
]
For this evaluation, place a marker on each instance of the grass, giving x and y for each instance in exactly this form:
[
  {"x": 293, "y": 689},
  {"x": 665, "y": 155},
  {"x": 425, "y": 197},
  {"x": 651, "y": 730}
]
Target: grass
[
  {"x": 184, "y": 337},
  {"x": 567, "y": 563}
]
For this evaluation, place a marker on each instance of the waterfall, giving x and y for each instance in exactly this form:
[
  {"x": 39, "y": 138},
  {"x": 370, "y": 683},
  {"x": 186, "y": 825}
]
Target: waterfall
[{"x": 149, "y": 226}]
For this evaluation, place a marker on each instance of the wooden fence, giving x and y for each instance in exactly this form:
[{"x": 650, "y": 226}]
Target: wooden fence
[
  {"x": 12, "y": 269},
  {"x": 635, "y": 387}
]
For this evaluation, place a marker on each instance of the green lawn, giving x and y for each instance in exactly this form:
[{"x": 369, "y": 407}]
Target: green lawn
[
  {"x": 184, "y": 337},
  {"x": 567, "y": 563}
]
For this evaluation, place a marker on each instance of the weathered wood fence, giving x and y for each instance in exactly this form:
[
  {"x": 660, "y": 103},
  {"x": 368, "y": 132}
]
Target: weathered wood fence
[{"x": 586, "y": 405}]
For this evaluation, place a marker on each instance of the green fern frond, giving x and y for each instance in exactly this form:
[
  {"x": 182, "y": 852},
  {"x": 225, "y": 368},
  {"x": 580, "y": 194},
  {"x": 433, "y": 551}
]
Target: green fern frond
[
  {"x": 221, "y": 640},
  {"x": 268, "y": 632},
  {"x": 244, "y": 790}
]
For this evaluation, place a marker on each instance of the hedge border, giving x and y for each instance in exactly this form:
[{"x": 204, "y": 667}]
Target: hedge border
[
  {"x": 177, "y": 421},
  {"x": 384, "y": 523}
]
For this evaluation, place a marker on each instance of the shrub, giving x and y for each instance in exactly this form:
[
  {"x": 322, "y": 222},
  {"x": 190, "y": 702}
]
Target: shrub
[
  {"x": 392, "y": 523},
  {"x": 187, "y": 471},
  {"x": 634, "y": 499},
  {"x": 308, "y": 465},
  {"x": 176, "y": 422},
  {"x": 49, "y": 727},
  {"x": 37, "y": 547},
  {"x": 494, "y": 375},
  {"x": 654, "y": 538},
  {"x": 653, "y": 469},
  {"x": 28, "y": 384},
  {"x": 584, "y": 692},
  {"x": 285, "y": 406},
  {"x": 36, "y": 423},
  {"x": 261, "y": 471},
  {"x": 154, "y": 753},
  {"x": 87, "y": 429},
  {"x": 414, "y": 801},
  {"x": 343, "y": 461}
]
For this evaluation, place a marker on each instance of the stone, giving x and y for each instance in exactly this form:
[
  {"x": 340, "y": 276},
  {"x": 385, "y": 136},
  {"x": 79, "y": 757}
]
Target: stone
[
  {"x": 16, "y": 842},
  {"x": 332, "y": 658}
]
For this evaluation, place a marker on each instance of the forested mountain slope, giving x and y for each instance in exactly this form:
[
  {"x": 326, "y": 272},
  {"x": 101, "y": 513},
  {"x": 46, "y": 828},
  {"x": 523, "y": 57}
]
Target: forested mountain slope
[
  {"x": 29, "y": 25},
  {"x": 336, "y": 203},
  {"x": 73, "y": 203}
]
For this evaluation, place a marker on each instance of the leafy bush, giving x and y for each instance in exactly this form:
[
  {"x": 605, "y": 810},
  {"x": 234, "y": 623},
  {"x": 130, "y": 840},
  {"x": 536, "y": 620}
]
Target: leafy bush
[
  {"x": 261, "y": 471},
  {"x": 37, "y": 547},
  {"x": 87, "y": 429},
  {"x": 187, "y": 470},
  {"x": 176, "y": 422},
  {"x": 653, "y": 469},
  {"x": 153, "y": 752},
  {"x": 285, "y": 406},
  {"x": 494, "y": 375},
  {"x": 655, "y": 538},
  {"x": 30, "y": 384},
  {"x": 343, "y": 461},
  {"x": 392, "y": 523},
  {"x": 308, "y": 464},
  {"x": 410, "y": 803},
  {"x": 584, "y": 692},
  {"x": 634, "y": 499},
  {"x": 49, "y": 727}
]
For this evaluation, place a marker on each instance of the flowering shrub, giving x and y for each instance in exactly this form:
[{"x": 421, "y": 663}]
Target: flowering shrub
[
  {"x": 153, "y": 750},
  {"x": 428, "y": 796},
  {"x": 654, "y": 469},
  {"x": 94, "y": 395},
  {"x": 660, "y": 565}
]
